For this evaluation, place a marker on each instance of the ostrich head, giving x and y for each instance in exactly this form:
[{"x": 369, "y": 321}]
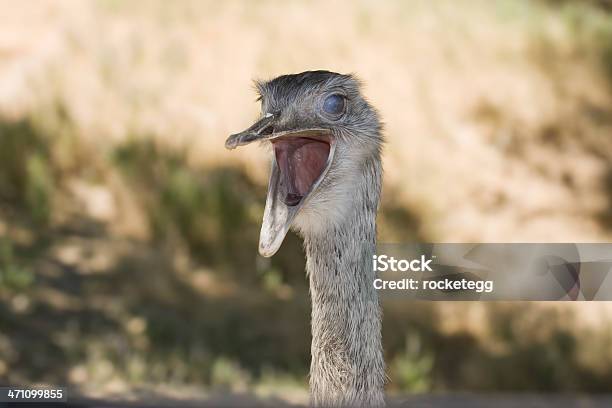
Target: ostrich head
[{"x": 322, "y": 132}]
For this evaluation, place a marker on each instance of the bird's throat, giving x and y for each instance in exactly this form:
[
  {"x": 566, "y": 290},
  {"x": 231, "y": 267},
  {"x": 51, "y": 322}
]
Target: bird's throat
[{"x": 347, "y": 367}]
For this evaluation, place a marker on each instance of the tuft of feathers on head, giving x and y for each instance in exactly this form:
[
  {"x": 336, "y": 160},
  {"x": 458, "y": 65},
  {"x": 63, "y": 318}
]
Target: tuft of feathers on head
[{"x": 303, "y": 81}]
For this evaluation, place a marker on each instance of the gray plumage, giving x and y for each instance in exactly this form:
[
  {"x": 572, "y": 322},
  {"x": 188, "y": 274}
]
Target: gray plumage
[{"x": 337, "y": 220}]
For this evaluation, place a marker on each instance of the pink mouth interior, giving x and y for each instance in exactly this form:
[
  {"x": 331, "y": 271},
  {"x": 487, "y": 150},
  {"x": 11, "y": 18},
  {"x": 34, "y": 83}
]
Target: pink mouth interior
[{"x": 301, "y": 162}]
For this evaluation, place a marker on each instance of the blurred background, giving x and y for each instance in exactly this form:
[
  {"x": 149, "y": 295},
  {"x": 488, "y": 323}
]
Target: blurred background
[{"x": 128, "y": 234}]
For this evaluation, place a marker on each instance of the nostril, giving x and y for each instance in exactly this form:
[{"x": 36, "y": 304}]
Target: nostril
[{"x": 267, "y": 131}]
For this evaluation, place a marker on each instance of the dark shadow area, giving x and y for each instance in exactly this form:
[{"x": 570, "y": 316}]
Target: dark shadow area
[
  {"x": 224, "y": 315},
  {"x": 605, "y": 216}
]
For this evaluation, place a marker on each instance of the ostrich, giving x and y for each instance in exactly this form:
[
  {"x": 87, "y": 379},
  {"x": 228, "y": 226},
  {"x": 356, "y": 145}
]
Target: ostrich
[{"x": 325, "y": 184}]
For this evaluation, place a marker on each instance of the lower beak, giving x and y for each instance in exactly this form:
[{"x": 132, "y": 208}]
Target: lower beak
[{"x": 277, "y": 216}]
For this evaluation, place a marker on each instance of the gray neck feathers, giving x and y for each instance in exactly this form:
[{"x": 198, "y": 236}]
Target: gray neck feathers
[{"x": 347, "y": 367}]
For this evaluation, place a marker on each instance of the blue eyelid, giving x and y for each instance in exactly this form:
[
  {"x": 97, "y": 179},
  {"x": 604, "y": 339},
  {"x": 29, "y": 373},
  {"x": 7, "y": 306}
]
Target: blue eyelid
[{"x": 334, "y": 104}]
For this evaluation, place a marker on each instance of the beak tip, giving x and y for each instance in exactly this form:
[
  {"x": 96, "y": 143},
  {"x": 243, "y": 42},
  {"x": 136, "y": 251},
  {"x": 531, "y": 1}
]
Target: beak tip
[
  {"x": 231, "y": 142},
  {"x": 266, "y": 251}
]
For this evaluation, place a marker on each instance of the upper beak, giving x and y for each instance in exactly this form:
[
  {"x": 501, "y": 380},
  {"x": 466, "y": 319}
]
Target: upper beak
[{"x": 258, "y": 131}]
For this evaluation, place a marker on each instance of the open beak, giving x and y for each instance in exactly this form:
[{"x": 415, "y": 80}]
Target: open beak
[{"x": 301, "y": 161}]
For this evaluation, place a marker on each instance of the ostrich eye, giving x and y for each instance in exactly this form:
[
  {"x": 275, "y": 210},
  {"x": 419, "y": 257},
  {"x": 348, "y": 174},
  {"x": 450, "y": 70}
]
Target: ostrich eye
[{"x": 334, "y": 104}]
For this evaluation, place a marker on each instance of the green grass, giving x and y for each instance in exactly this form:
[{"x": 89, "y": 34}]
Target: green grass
[
  {"x": 26, "y": 177},
  {"x": 14, "y": 276}
]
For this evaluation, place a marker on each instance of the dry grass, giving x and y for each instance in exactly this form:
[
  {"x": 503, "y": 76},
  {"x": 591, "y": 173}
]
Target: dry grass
[{"x": 501, "y": 88}]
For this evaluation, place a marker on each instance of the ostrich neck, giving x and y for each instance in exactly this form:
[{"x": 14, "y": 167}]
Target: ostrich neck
[{"x": 347, "y": 367}]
